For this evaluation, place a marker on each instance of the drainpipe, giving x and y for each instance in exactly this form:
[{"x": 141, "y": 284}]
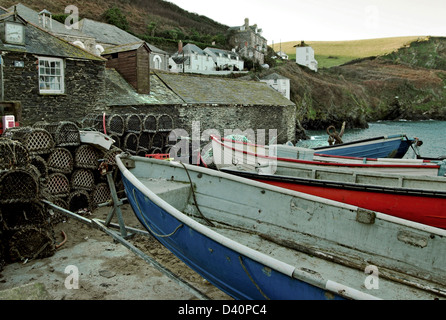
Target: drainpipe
[{"x": 1, "y": 75}]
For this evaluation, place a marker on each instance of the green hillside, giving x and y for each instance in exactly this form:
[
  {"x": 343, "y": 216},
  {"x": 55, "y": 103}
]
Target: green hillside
[{"x": 334, "y": 53}]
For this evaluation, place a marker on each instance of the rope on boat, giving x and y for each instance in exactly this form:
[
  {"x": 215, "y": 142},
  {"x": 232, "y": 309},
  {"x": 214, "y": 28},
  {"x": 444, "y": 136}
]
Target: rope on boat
[
  {"x": 252, "y": 280},
  {"x": 147, "y": 224},
  {"x": 195, "y": 199}
]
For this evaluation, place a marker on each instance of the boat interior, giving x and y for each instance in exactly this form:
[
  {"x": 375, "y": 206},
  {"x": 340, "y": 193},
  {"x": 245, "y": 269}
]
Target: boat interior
[{"x": 322, "y": 239}]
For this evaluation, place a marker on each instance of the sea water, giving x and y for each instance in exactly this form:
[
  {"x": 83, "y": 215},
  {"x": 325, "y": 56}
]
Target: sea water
[{"x": 432, "y": 133}]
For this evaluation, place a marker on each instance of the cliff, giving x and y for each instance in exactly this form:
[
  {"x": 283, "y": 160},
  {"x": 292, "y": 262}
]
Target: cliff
[{"x": 407, "y": 84}]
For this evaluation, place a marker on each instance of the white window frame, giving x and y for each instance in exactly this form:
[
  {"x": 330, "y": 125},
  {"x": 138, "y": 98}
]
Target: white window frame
[{"x": 49, "y": 74}]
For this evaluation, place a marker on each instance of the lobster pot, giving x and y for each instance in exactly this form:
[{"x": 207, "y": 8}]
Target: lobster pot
[
  {"x": 35, "y": 140},
  {"x": 101, "y": 194},
  {"x": 155, "y": 150},
  {"x": 60, "y": 160},
  {"x": 158, "y": 140},
  {"x": 18, "y": 185},
  {"x": 41, "y": 165},
  {"x": 88, "y": 122},
  {"x": 145, "y": 141},
  {"x": 58, "y": 185},
  {"x": 142, "y": 152},
  {"x": 133, "y": 123},
  {"x": 17, "y": 215},
  {"x": 86, "y": 157},
  {"x": 115, "y": 125},
  {"x": 150, "y": 123},
  {"x": 109, "y": 156},
  {"x": 131, "y": 143},
  {"x": 165, "y": 123},
  {"x": 67, "y": 134},
  {"x": 32, "y": 242},
  {"x": 79, "y": 201},
  {"x": 13, "y": 154},
  {"x": 50, "y": 127},
  {"x": 82, "y": 179},
  {"x": 117, "y": 140}
]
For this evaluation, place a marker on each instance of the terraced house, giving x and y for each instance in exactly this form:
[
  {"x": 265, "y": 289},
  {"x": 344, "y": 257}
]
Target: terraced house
[{"x": 48, "y": 77}]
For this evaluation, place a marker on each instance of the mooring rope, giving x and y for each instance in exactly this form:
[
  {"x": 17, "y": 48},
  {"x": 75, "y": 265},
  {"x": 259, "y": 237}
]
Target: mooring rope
[
  {"x": 147, "y": 224},
  {"x": 195, "y": 199},
  {"x": 252, "y": 280}
]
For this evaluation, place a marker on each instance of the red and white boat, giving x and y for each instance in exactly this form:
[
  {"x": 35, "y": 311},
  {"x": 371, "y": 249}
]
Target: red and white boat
[
  {"x": 420, "y": 199},
  {"x": 266, "y": 159}
]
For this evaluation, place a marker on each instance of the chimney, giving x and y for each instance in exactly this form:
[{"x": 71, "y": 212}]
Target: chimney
[
  {"x": 45, "y": 19},
  {"x": 246, "y": 23},
  {"x": 180, "y": 46}
]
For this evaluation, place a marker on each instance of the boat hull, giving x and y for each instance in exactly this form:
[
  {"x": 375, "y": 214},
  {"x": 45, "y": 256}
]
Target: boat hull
[
  {"x": 419, "y": 206},
  {"x": 223, "y": 267},
  {"x": 255, "y": 241},
  {"x": 384, "y": 147},
  {"x": 227, "y": 153}
]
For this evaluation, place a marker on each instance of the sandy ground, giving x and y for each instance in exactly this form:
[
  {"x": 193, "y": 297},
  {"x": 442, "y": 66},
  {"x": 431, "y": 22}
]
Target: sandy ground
[{"x": 90, "y": 265}]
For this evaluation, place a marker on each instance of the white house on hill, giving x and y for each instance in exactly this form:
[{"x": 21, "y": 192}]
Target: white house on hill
[
  {"x": 305, "y": 56},
  {"x": 278, "y": 83},
  {"x": 191, "y": 58},
  {"x": 225, "y": 60}
]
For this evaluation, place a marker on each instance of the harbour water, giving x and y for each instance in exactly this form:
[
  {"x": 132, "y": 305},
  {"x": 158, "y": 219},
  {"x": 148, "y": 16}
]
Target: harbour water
[{"x": 432, "y": 133}]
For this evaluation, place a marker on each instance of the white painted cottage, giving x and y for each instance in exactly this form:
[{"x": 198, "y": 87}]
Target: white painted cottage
[
  {"x": 191, "y": 59},
  {"x": 278, "y": 83},
  {"x": 225, "y": 60},
  {"x": 305, "y": 56}
]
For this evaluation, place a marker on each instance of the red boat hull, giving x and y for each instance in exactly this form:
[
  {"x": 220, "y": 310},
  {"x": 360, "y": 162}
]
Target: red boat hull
[{"x": 429, "y": 210}]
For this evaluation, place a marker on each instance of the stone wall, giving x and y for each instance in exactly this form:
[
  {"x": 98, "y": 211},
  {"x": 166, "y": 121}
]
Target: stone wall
[
  {"x": 224, "y": 118},
  {"x": 84, "y": 89}
]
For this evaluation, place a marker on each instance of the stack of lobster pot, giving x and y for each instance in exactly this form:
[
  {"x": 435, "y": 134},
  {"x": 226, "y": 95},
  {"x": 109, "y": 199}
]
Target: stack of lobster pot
[
  {"x": 25, "y": 226},
  {"x": 47, "y": 161}
]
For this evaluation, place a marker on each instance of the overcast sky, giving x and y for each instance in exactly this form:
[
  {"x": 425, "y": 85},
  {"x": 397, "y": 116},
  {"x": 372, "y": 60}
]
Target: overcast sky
[{"x": 327, "y": 20}]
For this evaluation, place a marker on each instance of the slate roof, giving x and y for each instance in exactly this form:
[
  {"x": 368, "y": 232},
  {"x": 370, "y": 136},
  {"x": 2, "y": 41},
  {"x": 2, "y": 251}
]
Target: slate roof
[
  {"x": 120, "y": 93},
  {"x": 33, "y": 17},
  {"x": 274, "y": 76},
  {"x": 209, "y": 90},
  {"x": 125, "y": 47},
  {"x": 225, "y": 53},
  {"x": 109, "y": 34},
  {"x": 40, "y": 42}
]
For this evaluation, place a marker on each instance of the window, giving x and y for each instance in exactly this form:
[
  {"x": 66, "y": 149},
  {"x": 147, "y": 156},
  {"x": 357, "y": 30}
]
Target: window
[{"x": 51, "y": 75}]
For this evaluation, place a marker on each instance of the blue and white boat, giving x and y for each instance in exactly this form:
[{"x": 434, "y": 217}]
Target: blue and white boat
[
  {"x": 256, "y": 241},
  {"x": 394, "y": 146}
]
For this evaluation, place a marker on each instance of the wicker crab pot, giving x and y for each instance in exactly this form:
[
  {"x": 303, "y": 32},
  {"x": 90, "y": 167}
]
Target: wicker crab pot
[
  {"x": 13, "y": 154},
  {"x": 18, "y": 185}
]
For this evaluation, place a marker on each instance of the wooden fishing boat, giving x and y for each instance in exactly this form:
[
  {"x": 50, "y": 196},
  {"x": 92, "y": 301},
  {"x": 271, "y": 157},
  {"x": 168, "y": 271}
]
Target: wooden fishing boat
[
  {"x": 227, "y": 152},
  {"x": 394, "y": 146},
  {"x": 256, "y": 241},
  {"x": 417, "y": 198}
]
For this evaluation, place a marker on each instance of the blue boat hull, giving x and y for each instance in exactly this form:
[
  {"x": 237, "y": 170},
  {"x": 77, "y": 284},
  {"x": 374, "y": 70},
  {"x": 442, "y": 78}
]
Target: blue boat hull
[
  {"x": 384, "y": 147},
  {"x": 238, "y": 276}
]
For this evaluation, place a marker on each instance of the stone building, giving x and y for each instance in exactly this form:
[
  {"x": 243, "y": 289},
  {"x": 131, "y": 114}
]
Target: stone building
[
  {"x": 48, "y": 76},
  {"x": 248, "y": 42}
]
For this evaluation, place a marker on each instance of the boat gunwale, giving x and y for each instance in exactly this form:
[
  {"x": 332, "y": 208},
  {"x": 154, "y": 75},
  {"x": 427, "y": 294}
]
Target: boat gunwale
[
  {"x": 394, "y": 137},
  {"x": 333, "y": 184},
  {"x": 320, "y": 163}
]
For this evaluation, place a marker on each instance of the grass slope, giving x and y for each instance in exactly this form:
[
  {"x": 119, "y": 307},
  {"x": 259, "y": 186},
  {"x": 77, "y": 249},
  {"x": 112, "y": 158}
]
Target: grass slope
[{"x": 334, "y": 53}]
